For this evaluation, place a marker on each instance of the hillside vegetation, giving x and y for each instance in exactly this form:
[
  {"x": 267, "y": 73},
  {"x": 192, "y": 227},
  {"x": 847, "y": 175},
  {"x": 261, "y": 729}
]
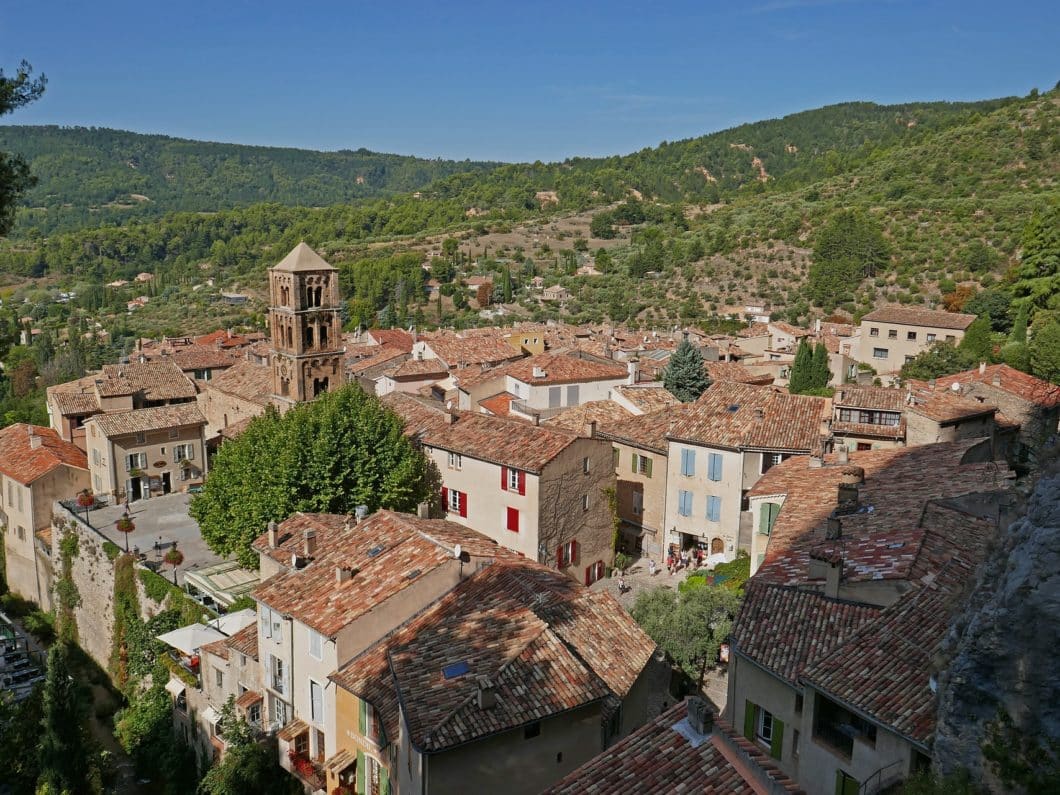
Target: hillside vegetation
[{"x": 94, "y": 176}]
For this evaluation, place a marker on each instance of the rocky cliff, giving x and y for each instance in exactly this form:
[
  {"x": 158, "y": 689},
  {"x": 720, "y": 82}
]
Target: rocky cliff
[{"x": 999, "y": 693}]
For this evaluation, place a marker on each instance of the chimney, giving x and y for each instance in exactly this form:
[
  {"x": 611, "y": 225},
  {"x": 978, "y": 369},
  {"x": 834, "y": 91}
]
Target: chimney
[
  {"x": 537, "y": 418},
  {"x": 423, "y": 510},
  {"x": 843, "y": 454},
  {"x": 982, "y": 368},
  {"x": 760, "y": 414},
  {"x": 816, "y": 462},
  {"x": 633, "y": 371},
  {"x": 539, "y": 372},
  {"x": 833, "y": 530},
  {"x": 590, "y": 429},
  {"x": 309, "y": 542},
  {"x": 931, "y": 384},
  {"x": 274, "y": 532},
  {"x": 832, "y": 576},
  {"x": 343, "y": 574},
  {"x": 996, "y": 380},
  {"x": 34, "y": 441},
  {"x": 360, "y": 513},
  {"x": 700, "y": 718},
  {"x": 487, "y": 696}
]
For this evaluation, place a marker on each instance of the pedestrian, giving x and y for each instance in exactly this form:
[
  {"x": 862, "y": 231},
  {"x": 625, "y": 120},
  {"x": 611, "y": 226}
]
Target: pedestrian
[{"x": 651, "y": 567}]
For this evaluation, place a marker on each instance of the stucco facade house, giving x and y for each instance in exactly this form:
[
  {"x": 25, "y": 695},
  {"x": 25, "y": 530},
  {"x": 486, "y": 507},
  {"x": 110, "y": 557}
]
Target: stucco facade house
[
  {"x": 539, "y": 491},
  {"x": 37, "y": 467},
  {"x": 892, "y": 336}
]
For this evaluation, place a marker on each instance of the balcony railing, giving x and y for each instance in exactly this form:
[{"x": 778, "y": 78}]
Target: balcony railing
[
  {"x": 305, "y": 769},
  {"x": 522, "y": 407}
]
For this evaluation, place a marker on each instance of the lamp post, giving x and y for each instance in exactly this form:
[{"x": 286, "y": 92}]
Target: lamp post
[{"x": 125, "y": 525}]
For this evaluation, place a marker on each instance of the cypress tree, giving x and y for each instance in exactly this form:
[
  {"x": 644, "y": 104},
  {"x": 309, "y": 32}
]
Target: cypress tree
[
  {"x": 801, "y": 369},
  {"x": 977, "y": 342},
  {"x": 61, "y": 750},
  {"x": 1019, "y": 327},
  {"x": 820, "y": 372},
  {"x": 685, "y": 377}
]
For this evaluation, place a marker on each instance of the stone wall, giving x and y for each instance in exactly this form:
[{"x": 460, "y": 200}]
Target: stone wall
[
  {"x": 1000, "y": 654},
  {"x": 93, "y": 574}
]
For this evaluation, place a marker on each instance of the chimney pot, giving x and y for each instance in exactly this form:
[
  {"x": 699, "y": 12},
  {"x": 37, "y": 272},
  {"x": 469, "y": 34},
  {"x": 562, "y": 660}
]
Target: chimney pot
[
  {"x": 309, "y": 542},
  {"x": 274, "y": 532},
  {"x": 996, "y": 380},
  {"x": 34, "y": 441},
  {"x": 760, "y": 414},
  {"x": 343, "y": 574},
  {"x": 832, "y": 577},
  {"x": 487, "y": 697},
  {"x": 700, "y": 718},
  {"x": 537, "y": 419},
  {"x": 360, "y": 513},
  {"x": 423, "y": 510},
  {"x": 982, "y": 368}
]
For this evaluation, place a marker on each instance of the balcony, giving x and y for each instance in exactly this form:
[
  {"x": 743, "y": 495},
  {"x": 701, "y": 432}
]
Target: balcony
[
  {"x": 527, "y": 411},
  {"x": 303, "y": 768}
]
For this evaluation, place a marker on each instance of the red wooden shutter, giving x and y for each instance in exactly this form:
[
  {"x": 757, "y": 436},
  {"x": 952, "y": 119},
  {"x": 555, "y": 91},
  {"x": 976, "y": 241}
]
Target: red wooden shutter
[
  {"x": 588, "y": 575},
  {"x": 513, "y": 520},
  {"x": 463, "y": 503},
  {"x": 559, "y": 556},
  {"x": 522, "y": 482},
  {"x": 573, "y": 552},
  {"x": 445, "y": 499},
  {"x": 504, "y": 478}
]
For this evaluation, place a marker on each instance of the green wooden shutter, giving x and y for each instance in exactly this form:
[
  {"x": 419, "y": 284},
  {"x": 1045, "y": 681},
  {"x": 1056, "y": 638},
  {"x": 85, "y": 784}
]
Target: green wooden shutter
[
  {"x": 776, "y": 747},
  {"x": 648, "y": 471},
  {"x": 362, "y": 718},
  {"x": 839, "y": 782},
  {"x": 384, "y": 781},
  {"x": 360, "y": 773},
  {"x": 749, "y": 720}
]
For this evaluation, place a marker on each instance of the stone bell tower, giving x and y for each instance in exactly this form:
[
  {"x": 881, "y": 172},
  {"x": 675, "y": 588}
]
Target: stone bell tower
[{"x": 306, "y": 329}]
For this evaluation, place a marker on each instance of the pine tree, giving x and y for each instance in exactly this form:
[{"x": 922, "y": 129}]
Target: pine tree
[
  {"x": 801, "y": 377},
  {"x": 507, "y": 285},
  {"x": 820, "y": 372},
  {"x": 61, "y": 749},
  {"x": 685, "y": 377}
]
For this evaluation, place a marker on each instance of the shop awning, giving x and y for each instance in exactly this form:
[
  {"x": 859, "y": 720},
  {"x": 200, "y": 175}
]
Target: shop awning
[
  {"x": 188, "y": 640},
  {"x": 175, "y": 687}
]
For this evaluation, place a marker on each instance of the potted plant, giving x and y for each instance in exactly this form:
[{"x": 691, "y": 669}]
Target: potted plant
[
  {"x": 174, "y": 557},
  {"x": 86, "y": 499},
  {"x": 126, "y": 525},
  {"x": 622, "y": 561}
]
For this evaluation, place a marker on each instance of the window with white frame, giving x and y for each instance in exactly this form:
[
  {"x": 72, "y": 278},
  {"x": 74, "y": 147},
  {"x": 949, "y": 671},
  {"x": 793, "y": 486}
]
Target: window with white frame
[
  {"x": 930, "y": 337},
  {"x": 764, "y": 726},
  {"x": 454, "y": 500},
  {"x": 277, "y": 626},
  {"x": 513, "y": 479},
  {"x": 316, "y": 701},
  {"x": 316, "y": 645},
  {"x": 455, "y": 460},
  {"x": 568, "y": 553},
  {"x": 135, "y": 461},
  {"x": 183, "y": 452},
  {"x": 279, "y": 676}
]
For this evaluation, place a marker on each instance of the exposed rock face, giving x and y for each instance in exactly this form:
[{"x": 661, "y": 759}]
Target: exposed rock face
[{"x": 1003, "y": 649}]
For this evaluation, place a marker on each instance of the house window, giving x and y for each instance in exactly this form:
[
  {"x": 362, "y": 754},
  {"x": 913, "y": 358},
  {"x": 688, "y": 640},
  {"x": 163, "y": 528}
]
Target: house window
[
  {"x": 585, "y": 465},
  {"x": 567, "y": 553},
  {"x": 714, "y": 466},
  {"x": 764, "y": 726},
  {"x": 930, "y": 337},
  {"x": 874, "y": 332},
  {"x": 95, "y": 457},
  {"x": 714, "y": 508},
  {"x": 219, "y": 678},
  {"x": 767, "y": 517},
  {"x": 316, "y": 645},
  {"x": 183, "y": 452},
  {"x": 795, "y": 743},
  {"x": 266, "y": 623},
  {"x": 316, "y": 702},
  {"x": 638, "y": 503},
  {"x": 770, "y": 460},
  {"x": 585, "y": 502},
  {"x": 911, "y": 336},
  {"x": 135, "y": 461},
  {"x": 513, "y": 520},
  {"x": 688, "y": 462},
  {"x": 532, "y": 730},
  {"x": 572, "y": 395},
  {"x": 684, "y": 503},
  {"x": 277, "y": 627},
  {"x": 950, "y": 338},
  {"x": 278, "y": 675},
  {"x": 909, "y": 359},
  {"x": 301, "y": 744},
  {"x": 880, "y": 353},
  {"x": 594, "y": 572},
  {"x": 455, "y": 460},
  {"x": 892, "y": 334},
  {"x": 642, "y": 465},
  {"x": 141, "y": 438},
  {"x": 513, "y": 480}
]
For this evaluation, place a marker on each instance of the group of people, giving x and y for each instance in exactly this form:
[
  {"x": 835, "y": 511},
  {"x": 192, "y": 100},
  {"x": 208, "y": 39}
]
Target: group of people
[{"x": 684, "y": 559}]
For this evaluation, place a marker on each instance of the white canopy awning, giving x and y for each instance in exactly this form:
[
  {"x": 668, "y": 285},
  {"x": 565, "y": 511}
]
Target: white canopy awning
[
  {"x": 175, "y": 687},
  {"x": 189, "y": 639},
  {"x": 211, "y": 716},
  {"x": 231, "y": 623}
]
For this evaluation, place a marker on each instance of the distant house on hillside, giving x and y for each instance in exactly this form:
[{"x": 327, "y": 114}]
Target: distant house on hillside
[{"x": 556, "y": 292}]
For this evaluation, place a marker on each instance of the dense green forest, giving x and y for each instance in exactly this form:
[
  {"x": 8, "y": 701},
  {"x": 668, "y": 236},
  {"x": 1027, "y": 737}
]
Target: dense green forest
[{"x": 91, "y": 176}]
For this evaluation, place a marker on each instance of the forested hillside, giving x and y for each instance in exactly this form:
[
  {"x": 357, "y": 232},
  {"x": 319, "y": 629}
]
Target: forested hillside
[{"x": 93, "y": 176}]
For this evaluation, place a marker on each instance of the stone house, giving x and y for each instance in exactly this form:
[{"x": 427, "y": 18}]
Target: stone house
[
  {"x": 537, "y": 490},
  {"x": 464, "y": 350},
  {"x": 892, "y": 336},
  {"x": 718, "y": 449},
  {"x": 864, "y": 560},
  {"x": 37, "y": 467},
  {"x": 556, "y": 292},
  {"x": 235, "y": 395},
  {"x": 134, "y": 454}
]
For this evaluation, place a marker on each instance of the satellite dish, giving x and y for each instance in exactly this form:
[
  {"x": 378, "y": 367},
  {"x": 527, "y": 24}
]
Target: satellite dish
[
  {"x": 955, "y": 386},
  {"x": 448, "y": 405}
]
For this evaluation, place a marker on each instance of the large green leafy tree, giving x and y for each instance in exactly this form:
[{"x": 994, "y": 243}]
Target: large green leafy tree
[
  {"x": 248, "y": 768},
  {"x": 342, "y": 450},
  {"x": 62, "y": 746},
  {"x": 942, "y": 358},
  {"x": 1045, "y": 351},
  {"x": 690, "y": 626},
  {"x": 14, "y": 172},
  {"x": 685, "y": 376},
  {"x": 850, "y": 247},
  {"x": 977, "y": 341}
]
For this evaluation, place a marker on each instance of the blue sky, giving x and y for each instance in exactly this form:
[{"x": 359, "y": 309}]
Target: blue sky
[{"x": 507, "y": 80}]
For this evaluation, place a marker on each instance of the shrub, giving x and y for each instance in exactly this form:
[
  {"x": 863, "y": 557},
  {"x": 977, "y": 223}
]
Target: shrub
[
  {"x": 41, "y": 625},
  {"x": 111, "y": 550},
  {"x": 156, "y": 586}
]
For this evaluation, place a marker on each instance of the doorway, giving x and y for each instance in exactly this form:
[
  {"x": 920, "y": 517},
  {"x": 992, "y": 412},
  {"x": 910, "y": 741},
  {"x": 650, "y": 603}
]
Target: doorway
[
  {"x": 167, "y": 483},
  {"x": 134, "y": 489}
]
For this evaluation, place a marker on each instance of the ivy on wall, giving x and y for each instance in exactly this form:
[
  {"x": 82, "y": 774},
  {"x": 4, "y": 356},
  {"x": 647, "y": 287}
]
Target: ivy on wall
[{"x": 67, "y": 597}]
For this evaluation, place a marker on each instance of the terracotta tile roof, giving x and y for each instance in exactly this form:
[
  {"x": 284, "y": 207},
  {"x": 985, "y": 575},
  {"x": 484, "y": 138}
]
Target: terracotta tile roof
[
  {"x": 603, "y": 412},
  {"x": 784, "y": 629},
  {"x": 563, "y": 369},
  {"x": 500, "y": 441},
  {"x": 160, "y": 380},
  {"x": 868, "y": 429},
  {"x": 152, "y": 419},
  {"x": 545, "y": 643},
  {"x": 754, "y": 330},
  {"x": 21, "y": 461},
  {"x": 657, "y": 759},
  {"x": 302, "y": 258},
  {"x": 498, "y": 405},
  {"x": 393, "y": 338},
  {"x": 837, "y": 329},
  {"x": 456, "y": 351},
  {"x": 420, "y": 415},
  {"x": 203, "y": 357},
  {"x": 246, "y": 380},
  {"x": 1015, "y": 382},
  {"x": 292, "y": 730},
  {"x": 218, "y": 648},
  {"x": 944, "y": 405},
  {"x": 387, "y": 552},
  {"x": 647, "y": 398},
  {"x": 787, "y": 328},
  {"x": 74, "y": 403},
  {"x": 877, "y": 398},
  {"x": 245, "y": 641},
  {"x": 741, "y": 416},
  {"x": 225, "y": 339},
  {"x": 248, "y": 698},
  {"x": 236, "y": 429},
  {"x": 379, "y": 357},
  {"x": 883, "y": 539},
  {"x": 734, "y": 371},
  {"x": 934, "y": 318},
  {"x": 289, "y": 535},
  {"x": 647, "y": 431},
  {"x": 418, "y": 369}
]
